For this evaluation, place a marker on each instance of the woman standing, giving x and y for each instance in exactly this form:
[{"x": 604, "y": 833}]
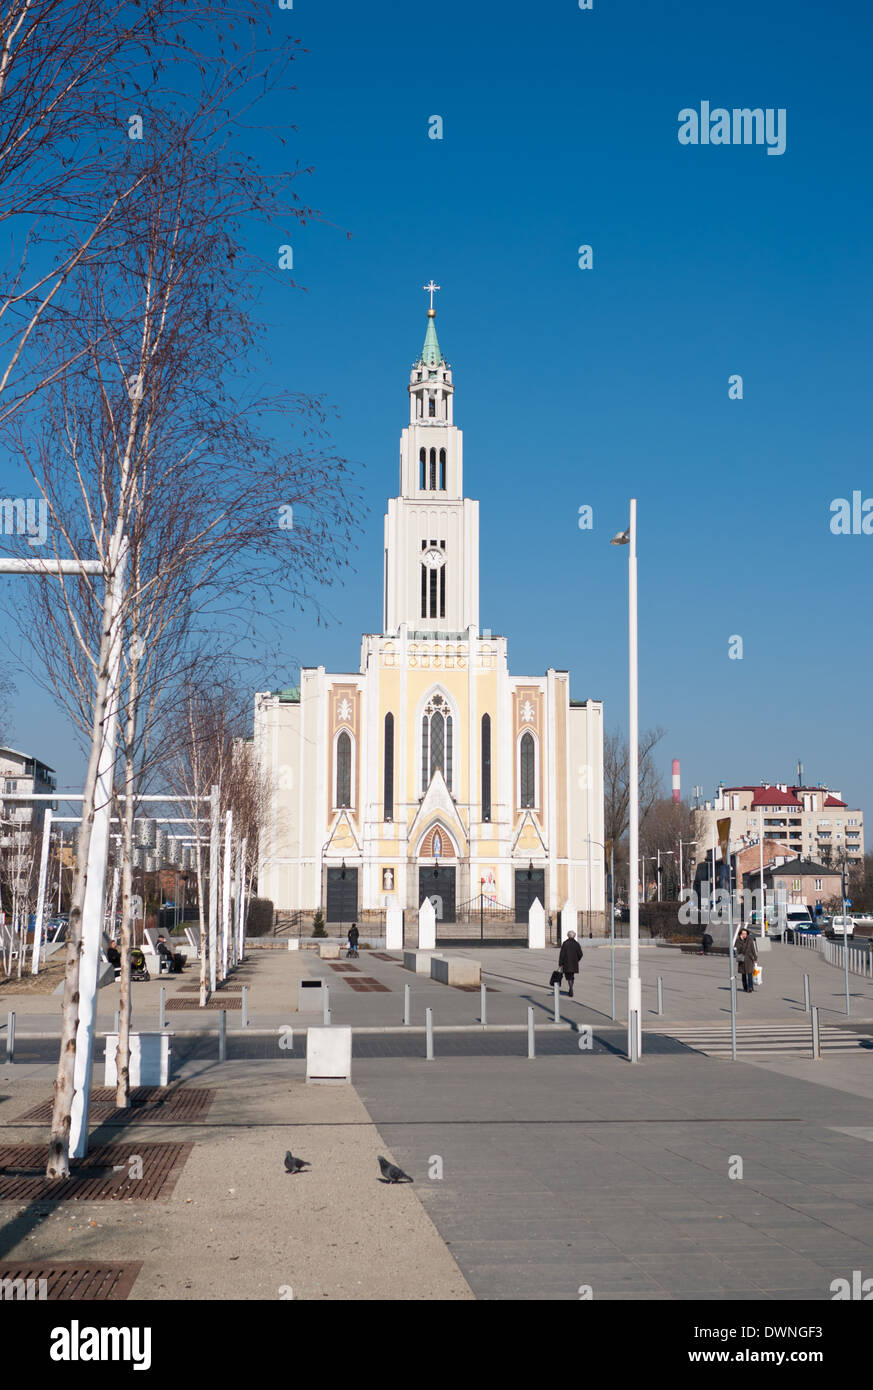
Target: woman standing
[{"x": 747, "y": 957}]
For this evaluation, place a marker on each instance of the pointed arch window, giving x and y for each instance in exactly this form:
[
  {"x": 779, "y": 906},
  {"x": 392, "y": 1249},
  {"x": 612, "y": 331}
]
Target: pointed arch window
[
  {"x": 431, "y": 407},
  {"x": 442, "y": 470},
  {"x": 433, "y": 470},
  {"x": 527, "y": 771},
  {"x": 422, "y": 464},
  {"x": 436, "y": 742},
  {"x": 343, "y": 770},
  {"x": 486, "y": 767},
  {"x": 388, "y": 770}
]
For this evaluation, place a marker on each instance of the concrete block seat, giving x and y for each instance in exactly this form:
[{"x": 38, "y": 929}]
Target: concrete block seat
[
  {"x": 418, "y": 961},
  {"x": 455, "y": 970}
]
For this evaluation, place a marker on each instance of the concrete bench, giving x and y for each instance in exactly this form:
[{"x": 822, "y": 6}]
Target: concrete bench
[
  {"x": 419, "y": 961},
  {"x": 329, "y": 950},
  {"x": 455, "y": 970}
]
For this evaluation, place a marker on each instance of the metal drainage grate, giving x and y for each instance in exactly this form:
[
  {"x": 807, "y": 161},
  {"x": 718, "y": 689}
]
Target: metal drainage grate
[
  {"x": 367, "y": 984},
  {"x": 155, "y": 1104},
  {"x": 106, "y": 1283},
  {"x": 103, "y": 1176},
  {"x": 343, "y": 967},
  {"x": 219, "y": 989},
  {"x": 215, "y": 1001}
]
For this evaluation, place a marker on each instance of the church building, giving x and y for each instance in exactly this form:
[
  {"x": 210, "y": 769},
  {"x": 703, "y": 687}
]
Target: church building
[{"x": 432, "y": 772}]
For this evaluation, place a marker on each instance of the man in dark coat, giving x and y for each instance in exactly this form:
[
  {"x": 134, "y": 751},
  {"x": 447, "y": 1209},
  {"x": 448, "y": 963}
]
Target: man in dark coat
[
  {"x": 747, "y": 956},
  {"x": 568, "y": 960},
  {"x": 353, "y": 935}
]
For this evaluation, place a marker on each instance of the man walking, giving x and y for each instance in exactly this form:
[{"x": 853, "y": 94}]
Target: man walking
[
  {"x": 569, "y": 958},
  {"x": 353, "y": 935},
  {"x": 747, "y": 956}
]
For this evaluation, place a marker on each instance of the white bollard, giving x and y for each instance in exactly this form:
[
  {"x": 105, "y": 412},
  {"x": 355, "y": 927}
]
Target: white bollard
[
  {"x": 222, "y": 1035},
  {"x": 557, "y": 1003},
  {"x": 531, "y": 1035},
  {"x": 326, "y": 1001},
  {"x": 484, "y": 1005},
  {"x": 10, "y": 1037},
  {"x": 406, "y": 1011},
  {"x": 428, "y": 1026}
]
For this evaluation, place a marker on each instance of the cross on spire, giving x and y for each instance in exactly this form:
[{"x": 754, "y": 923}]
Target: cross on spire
[{"x": 429, "y": 289}]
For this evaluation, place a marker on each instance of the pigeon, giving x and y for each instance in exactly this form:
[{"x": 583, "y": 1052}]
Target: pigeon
[
  {"x": 295, "y": 1165},
  {"x": 391, "y": 1173}
]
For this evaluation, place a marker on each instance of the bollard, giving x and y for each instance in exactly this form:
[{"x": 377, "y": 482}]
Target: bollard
[
  {"x": 326, "y": 1014},
  {"x": 245, "y": 1006},
  {"x": 222, "y": 1035},
  {"x": 634, "y": 1039},
  {"x": 531, "y": 1035},
  {"x": 816, "y": 1036},
  {"x": 428, "y": 1027},
  {"x": 162, "y": 1010},
  {"x": 10, "y": 1037},
  {"x": 557, "y": 1003},
  {"x": 406, "y": 1014},
  {"x": 806, "y": 994},
  {"x": 483, "y": 1005},
  {"x": 733, "y": 1018},
  {"x": 660, "y": 995}
]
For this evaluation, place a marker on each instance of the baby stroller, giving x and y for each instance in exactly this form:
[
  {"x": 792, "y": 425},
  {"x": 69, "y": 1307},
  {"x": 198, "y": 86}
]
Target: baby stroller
[{"x": 138, "y": 967}]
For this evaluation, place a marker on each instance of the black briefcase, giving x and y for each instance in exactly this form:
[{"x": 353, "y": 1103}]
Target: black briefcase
[{"x": 556, "y": 977}]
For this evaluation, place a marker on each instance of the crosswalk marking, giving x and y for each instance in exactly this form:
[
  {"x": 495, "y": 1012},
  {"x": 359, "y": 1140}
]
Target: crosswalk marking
[{"x": 762, "y": 1039}]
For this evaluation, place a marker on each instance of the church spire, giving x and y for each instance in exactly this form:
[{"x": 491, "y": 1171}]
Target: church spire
[{"x": 431, "y": 356}]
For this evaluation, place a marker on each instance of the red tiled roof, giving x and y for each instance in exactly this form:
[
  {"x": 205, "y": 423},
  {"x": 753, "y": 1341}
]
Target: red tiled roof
[
  {"x": 832, "y": 801},
  {"x": 772, "y": 796}
]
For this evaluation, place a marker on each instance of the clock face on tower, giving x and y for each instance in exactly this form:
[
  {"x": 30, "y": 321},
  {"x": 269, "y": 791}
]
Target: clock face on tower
[{"x": 433, "y": 559}]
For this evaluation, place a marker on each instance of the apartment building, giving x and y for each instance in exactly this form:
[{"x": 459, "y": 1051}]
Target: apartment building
[
  {"x": 19, "y": 772},
  {"x": 811, "y": 823}
]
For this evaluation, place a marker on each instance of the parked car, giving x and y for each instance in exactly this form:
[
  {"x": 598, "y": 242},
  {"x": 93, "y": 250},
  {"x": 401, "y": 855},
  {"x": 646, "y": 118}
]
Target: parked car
[
  {"x": 796, "y": 917},
  {"x": 841, "y": 927},
  {"x": 793, "y": 933}
]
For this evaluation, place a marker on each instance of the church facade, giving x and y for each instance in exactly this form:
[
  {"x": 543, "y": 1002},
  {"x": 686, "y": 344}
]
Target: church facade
[{"x": 432, "y": 772}]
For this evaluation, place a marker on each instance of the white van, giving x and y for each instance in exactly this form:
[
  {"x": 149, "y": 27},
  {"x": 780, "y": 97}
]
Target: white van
[
  {"x": 796, "y": 915},
  {"x": 842, "y": 927}
]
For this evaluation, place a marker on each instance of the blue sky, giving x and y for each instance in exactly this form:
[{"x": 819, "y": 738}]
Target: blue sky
[{"x": 572, "y": 386}]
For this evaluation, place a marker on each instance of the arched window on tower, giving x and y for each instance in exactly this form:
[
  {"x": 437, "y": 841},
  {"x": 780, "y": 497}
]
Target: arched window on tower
[
  {"x": 433, "y": 470},
  {"x": 527, "y": 771},
  {"x": 431, "y": 407},
  {"x": 442, "y": 470},
  {"x": 422, "y": 462},
  {"x": 343, "y": 770}
]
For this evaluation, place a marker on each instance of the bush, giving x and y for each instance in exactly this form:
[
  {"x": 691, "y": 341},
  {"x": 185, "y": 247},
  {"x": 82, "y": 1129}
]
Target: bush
[
  {"x": 318, "y": 924},
  {"x": 662, "y": 919},
  {"x": 259, "y": 918}
]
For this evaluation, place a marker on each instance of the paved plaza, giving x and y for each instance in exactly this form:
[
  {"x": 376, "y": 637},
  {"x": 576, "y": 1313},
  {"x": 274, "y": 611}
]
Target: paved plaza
[{"x": 572, "y": 1174}]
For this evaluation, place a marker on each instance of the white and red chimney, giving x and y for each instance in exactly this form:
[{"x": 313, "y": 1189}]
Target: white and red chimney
[{"x": 676, "y": 792}]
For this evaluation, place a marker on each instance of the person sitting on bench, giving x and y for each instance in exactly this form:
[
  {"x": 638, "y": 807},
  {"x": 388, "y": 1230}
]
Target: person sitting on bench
[{"x": 168, "y": 960}]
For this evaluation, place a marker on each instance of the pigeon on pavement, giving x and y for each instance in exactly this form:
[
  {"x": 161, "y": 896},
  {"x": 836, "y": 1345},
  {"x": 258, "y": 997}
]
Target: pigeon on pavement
[
  {"x": 391, "y": 1173},
  {"x": 295, "y": 1165}
]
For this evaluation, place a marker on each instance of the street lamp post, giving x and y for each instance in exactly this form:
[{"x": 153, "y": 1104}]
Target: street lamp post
[{"x": 634, "y": 988}]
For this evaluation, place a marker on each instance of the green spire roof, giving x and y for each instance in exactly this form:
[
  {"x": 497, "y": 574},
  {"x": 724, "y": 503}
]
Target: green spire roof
[{"x": 430, "y": 353}]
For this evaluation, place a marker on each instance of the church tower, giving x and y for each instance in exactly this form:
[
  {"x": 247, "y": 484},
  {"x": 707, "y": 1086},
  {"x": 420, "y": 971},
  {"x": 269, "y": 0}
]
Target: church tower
[{"x": 431, "y": 580}]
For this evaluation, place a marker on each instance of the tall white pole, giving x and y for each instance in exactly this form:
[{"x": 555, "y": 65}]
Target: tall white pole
[
  {"x": 40, "y": 901},
  {"x": 241, "y": 912},
  {"x": 95, "y": 886},
  {"x": 225, "y": 897},
  {"x": 214, "y": 840},
  {"x": 761, "y": 862},
  {"x": 634, "y": 988}
]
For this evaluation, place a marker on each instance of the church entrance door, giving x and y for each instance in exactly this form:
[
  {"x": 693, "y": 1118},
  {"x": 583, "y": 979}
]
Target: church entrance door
[
  {"x": 526, "y": 889},
  {"x": 342, "y": 895},
  {"x": 440, "y": 890}
]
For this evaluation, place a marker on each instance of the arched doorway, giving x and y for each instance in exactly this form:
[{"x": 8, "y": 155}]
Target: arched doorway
[{"x": 437, "y": 877}]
